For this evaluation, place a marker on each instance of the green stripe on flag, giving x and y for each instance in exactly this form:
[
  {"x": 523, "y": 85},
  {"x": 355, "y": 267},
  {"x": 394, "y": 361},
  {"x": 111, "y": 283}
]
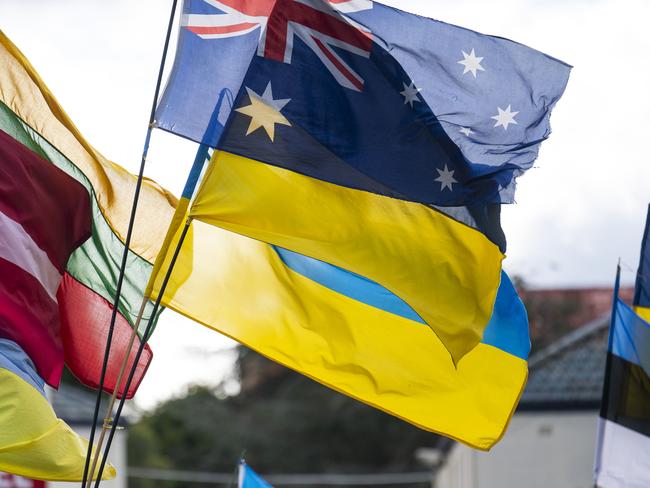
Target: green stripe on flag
[{"x": 96, "y": 263}]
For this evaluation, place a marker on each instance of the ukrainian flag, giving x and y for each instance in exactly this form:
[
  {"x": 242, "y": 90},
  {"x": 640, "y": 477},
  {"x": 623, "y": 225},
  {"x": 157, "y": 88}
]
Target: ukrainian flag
[
  {"x": 33, "y": 442},
  {"x": 447, "y": 271},
  {"x": 349, "y": 332}
]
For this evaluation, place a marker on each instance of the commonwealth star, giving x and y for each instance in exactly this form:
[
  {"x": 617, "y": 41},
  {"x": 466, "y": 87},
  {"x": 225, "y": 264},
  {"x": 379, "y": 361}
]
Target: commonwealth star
[
  {"x": 471, "y": 62},
  {"x": 264, "y": 111}
]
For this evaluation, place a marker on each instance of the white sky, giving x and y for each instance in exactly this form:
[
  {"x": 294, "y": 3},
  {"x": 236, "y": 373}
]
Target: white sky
[{"x": 581, "y": 208}]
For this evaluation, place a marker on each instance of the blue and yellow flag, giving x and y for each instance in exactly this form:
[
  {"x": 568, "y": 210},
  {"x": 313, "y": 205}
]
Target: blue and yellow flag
[
  {"x": 642, "y": 290},
  {"x": 341, "y": 138},
  {"x": 33, "y": 442},
  {"x": 350, "y": 333}
]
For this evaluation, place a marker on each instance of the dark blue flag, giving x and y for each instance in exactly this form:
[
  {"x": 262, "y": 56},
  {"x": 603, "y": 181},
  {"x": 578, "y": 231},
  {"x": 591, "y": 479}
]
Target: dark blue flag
[
  {"x": 370, "y": 97},
  {"x": 642, "y": 289}
]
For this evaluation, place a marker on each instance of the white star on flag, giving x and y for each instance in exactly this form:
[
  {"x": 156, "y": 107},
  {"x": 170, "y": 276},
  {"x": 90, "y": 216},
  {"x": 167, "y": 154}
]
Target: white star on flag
[
  {"x": 472, "y": 63},
  {"x": 446, "y": 178},
  {"x": 410, "y": 94},
  {"x": 466, "y": 130},
  {"x": 264, "y": 111},
  {"x": 505, "y": 117}
]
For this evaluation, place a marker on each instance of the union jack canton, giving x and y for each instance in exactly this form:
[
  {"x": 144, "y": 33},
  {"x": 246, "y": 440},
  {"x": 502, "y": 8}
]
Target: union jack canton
[{"x": 320, "y": 29}]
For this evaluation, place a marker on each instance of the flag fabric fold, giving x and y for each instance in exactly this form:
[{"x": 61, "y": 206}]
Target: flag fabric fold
[
  {"x": 70, "y": 309},
  {"x": 450, "y": 277},
  {"x": 350, "y": 333},
  {"x": 360, "y": 102},
  {"x": 33, "y": 442},
  {"x": 342, "y": 139}
]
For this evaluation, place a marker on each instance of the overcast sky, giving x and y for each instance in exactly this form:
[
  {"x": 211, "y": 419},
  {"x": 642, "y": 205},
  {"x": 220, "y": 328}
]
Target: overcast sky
[{"x": 577, "y": 212}]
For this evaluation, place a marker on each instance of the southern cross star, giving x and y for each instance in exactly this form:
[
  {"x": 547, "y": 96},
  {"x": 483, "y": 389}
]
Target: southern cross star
[
  {"x": 446, "y": 178},
  {"x": 472, "y": 63},
  {"x": 264, "y": 111},
  {"x": 505, "y": 117},
  {"x": 466, "y": 130},
  {"x": 410, "y": 94}
]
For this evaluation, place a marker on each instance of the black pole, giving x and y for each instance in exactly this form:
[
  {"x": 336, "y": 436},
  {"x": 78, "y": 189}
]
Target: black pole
[
  {"x": 127, "y": 243},
  {"x": 143, "y": 342}
]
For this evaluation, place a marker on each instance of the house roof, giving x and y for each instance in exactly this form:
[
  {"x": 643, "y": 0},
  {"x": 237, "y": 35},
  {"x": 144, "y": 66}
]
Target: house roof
[
  {"x": 569, "y": 374},
  {"x": 75, "y": 404}
]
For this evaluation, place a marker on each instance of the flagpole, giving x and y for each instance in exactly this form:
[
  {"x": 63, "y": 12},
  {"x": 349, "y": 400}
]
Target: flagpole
[
  {"x": 111, "y": 403},
  {"x": 143, "y": 342},
  {"x": 127, "y": 243},
  {"x": 180, "y": 214},
  {"x": 601, "y": 430}
]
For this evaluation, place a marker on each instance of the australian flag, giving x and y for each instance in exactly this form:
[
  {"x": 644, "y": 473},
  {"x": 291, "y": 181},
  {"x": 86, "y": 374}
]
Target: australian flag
[{"x": 363, "y": 95}]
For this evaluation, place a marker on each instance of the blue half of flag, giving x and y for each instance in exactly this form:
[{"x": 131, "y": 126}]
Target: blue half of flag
[{"x": 630, "y": 337}]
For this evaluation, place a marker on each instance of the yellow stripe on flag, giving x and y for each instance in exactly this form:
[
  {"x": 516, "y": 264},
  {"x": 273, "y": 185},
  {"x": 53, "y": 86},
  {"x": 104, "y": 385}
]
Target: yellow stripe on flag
[
  {"x": 643, "y": 312},
  {"x": 241, "y": 288},
  {"x": 446, "y": 271},
  {"x": 33, "y": 442},
  {"x": 23, "y": 91}
]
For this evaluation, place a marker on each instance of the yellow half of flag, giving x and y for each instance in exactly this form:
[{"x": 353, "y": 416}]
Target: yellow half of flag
[
  {"x": 643, "y": 312},
  {"x": 34, "y": 443},
  {"x": 243, "y": 288},
  {"x": 446, "y": 271}
]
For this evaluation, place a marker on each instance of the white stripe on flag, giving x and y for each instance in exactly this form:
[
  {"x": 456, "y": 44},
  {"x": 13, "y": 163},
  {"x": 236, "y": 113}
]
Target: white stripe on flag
[
  {"x": 350, "y": 6},
  {"x": 623, "y": 460},
  {"x": 18, "y": 247}
]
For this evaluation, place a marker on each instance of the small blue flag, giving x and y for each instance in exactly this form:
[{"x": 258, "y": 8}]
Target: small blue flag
[{"x": 249, "y": 478}]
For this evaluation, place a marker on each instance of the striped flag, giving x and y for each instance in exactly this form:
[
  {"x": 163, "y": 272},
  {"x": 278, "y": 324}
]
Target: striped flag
[
  {"x": 623, "y": 453},
  {"x": 11, "y": 481},
  {"x": 35, "y": 248},
  {"x": 64, "y": 212}
]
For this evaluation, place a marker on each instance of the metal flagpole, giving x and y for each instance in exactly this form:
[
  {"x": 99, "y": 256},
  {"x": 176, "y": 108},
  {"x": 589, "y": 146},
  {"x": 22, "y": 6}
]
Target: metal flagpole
[
  {"x": 127, "y": 243},
  {"x": 601, "y": 431}
]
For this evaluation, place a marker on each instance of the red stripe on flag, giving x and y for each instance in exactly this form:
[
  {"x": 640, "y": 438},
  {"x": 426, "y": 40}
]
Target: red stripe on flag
[
  {"x": 340, "y": 66},
  {"x": 12, "y": 481},
  {"x": 223, "y": 29},
  {"x": 29, "y": 317},
  {"x": 85, "y": 317},
  {"x": 51, "y": 206},
  {"x": 255, "y": 8},
  {"x": 336, "y": 27}
]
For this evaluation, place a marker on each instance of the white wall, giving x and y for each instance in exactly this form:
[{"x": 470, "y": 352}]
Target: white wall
[
  {"x": 117, "y": 456},
  {"x": 539, "y": 450}
]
